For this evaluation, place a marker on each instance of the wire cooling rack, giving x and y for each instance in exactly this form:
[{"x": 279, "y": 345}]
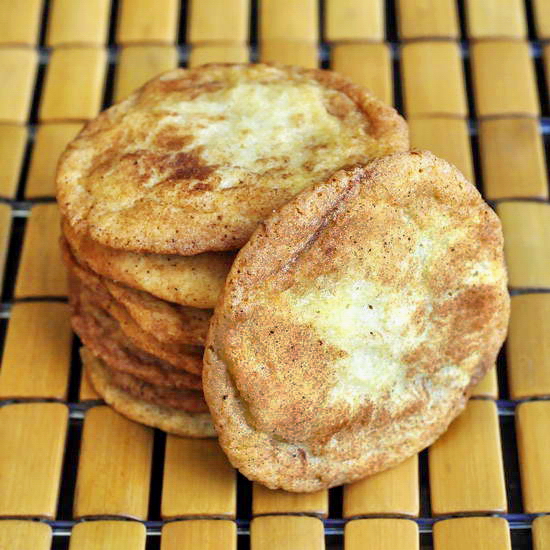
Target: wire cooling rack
[{"x": 470, "y": 76}]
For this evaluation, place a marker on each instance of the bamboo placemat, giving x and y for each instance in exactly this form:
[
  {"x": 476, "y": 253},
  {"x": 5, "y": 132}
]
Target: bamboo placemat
[{"x": 470, "y": 76}]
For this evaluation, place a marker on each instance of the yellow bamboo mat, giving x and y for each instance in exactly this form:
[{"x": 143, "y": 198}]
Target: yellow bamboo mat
[{"x": 472, "y": 76}]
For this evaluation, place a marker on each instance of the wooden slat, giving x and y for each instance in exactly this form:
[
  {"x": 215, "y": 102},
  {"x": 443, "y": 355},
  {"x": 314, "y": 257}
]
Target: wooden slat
[
  {"x": 303, "y": 54},
  {"x": 114, "y": 535},
  {"x": 528, "y": 346},
  {"x": 542, "y": 18},
  {"x": 286, "y": 533},
  {"x": 5, "y": 228},
  {"x": 541, "y": 533},
  {"x": 526, "y": 228},
  {"x": 433, "y": 79},
  {"x": 472, "y": 534},
  {"x": 198, "y": 480},
  {"x": 215, "y": 53},
  {"x": 20, "y": 26},
  {"x": 74, "y": 23},
  {"x": 42, "y": 368},
  {"x": 448, "y": 138},
  {"x": 143, "y": 21},
  {"x": 41, "y": 272},
  {"x": 368, "y": 65},
  {"x": 504, "y": 88},
  {"x": 381, "y": 534},
  {"x": 50, "y": 141},
  {"x": 201, "y": 534},
  {"x": 427, "y": 19},
  {"x": 287, "y": 20},
  {"x": 266, "y": 501},
  {"x": 532, "y": 428},
  {"x": 23, "y": 535},
  {"x": 13, "y": 140},
  {"x": 86, "y": 392},
  {"x": 17, "y": 74},
  {"x": 487, "y": 386},
  {"x": 466, "y": 471},
  {"x": 355, "y": 20},
  {"x": 218, "y": 21},
  {"x": 512, "y": 158},
  {"x": 73, "y": 88},
  {"x": 546, "y": 59},
  {"x": 496, "y": 19},
  {"x": 114, "y": 467},
  {"x": 393, "y": 492},
  {"x": 138, "y": 64},
  {"x": 31, "y": 456}
]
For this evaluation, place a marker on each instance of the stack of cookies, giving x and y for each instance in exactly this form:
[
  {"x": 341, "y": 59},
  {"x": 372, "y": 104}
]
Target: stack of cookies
[
  {"x": 160, "y": 190},
  {"x": 147, "y": 347}
]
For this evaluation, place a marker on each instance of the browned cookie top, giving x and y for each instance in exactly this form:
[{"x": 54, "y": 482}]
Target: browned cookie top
[{"x": 194, "y": 159}]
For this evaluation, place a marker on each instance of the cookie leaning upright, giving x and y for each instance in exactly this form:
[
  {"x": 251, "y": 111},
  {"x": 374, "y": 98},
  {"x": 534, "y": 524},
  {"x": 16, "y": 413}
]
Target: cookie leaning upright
[
  {"x": 373, "y": 303},
  {"x": 193, "y": 160}
]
